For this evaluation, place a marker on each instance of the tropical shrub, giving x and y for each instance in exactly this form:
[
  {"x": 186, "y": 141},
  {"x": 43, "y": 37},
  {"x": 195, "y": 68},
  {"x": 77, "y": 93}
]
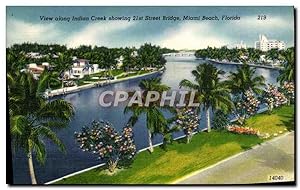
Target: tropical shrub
[
  {"x": 116, "y": 150},
  {"x": 167, "y": 135},
  {"x": 273, "y": 97},
  {"x": 246, "y": 106},
  {"x": 188, "y": 120},
  {"x": 220, "y": 120},
  {"x": 288, "y": 89}
]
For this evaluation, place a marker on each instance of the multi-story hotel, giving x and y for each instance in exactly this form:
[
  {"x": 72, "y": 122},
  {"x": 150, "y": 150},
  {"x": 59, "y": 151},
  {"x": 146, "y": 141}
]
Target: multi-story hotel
[{"x": 264, "y": 44}]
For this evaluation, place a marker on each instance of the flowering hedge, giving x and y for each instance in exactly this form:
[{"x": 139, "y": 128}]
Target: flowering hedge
[
  {"x": 102, "y": 139},
  {"x": 241, "y": 130}
]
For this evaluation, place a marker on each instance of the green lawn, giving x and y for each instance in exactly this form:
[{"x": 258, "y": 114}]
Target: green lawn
[
  {"x": 115, "y": 72},
  {"x": 181, "y": 159},
  {"x": 133, "y": 74},
  {"x": 279, "y": 120}
]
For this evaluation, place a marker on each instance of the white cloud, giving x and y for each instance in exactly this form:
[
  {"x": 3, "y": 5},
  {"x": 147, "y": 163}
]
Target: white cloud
[
  {"x": 192, "y": 36},
  {"x": 97, "y": 34},
  {"x": 19, "y": 31},
  {"x": 271, "y": 22},
  {"x": 92, "y": 34}
]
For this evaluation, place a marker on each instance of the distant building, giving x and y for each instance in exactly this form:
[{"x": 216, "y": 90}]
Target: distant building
[
  {"x": 241, "y": 45},
  {"x": 265, "y": 44},
  {"x": 121, "y": 59},
  {"x": 80, "y": 68},
  {"x": 35, "y": 55},
  {"x": 120, "y": 62},
  {"x": 35, "y": 69},
  {"x": 134, "y": 54}
]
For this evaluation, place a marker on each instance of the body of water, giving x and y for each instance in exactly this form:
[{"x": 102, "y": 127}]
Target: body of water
[{"x": 87, "y": 109}]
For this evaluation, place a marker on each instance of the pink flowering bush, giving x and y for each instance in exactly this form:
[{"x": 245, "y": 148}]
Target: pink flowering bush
[
  {"x": 247, "y": 106},
  {"x": 117, "y": 150},
  {"x": 288, "y": 89},
  {"x": 188, "y": 120},
  {"x": 273, "y": 97}
]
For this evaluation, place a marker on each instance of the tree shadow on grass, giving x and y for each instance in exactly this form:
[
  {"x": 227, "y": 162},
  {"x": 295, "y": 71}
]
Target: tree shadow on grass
[
  {"x": 288, "y": 122},
  {"x": 215, "y": 139},
  {"x": 182, "y": 141}
]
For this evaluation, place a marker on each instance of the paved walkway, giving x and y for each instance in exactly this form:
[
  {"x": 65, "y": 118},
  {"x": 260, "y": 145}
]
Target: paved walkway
[{"x": 273, "y": 158}]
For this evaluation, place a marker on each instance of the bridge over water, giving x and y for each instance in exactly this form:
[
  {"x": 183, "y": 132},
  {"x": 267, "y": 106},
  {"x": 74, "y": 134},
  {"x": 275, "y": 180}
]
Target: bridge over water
[{"x": 180, "y": 54}]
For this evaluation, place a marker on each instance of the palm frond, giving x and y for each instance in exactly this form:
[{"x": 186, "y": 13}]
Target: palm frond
[
  {"x": 188, "y": 84},
  {"x": 56, "y": 110},
  {"x": 43, "y": 131}
]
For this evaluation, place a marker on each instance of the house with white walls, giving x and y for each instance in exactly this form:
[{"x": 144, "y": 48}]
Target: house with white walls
[{"x": 81, "y": 68}]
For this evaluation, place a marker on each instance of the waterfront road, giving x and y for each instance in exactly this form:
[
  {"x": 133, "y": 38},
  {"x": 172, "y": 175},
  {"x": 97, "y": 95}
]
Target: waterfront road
[{"x": 272, "y": 161}]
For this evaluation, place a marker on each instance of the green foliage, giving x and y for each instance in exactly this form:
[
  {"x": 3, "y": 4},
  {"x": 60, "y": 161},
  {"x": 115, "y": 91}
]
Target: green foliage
[
  {"x": 250, "y": 55},
  {"x": 155, "y": 120},
  {"x": 288, "y": 73},
  {"x": 212, "y": 92},
  {"x": 244, "y": 79},
  {"x": 146, "y": 55},
  {"x": 32, "y": 118},
  {"x": 220, "y": 120}
]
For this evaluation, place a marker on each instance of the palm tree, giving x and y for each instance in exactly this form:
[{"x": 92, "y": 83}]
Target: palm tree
[
  {"x": 35, "y": 118},
  {"x": 288, "y": 74},
  {"x": 253, "y": 55},
  {"x": 155, "y": 120},
  {"x": 245, "y": 79},
  {"x": 211, "y": 92},
  {"x": 272, "y": 54},
  {"x": 63, "y": 63},
  {"x": 130, "y": 60}
]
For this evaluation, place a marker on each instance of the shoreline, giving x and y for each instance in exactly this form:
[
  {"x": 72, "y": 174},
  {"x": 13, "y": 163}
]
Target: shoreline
[
  {"x": 102, "y": 164},
  {"x": 251, "y": 65},
  {"x": 262, "y": 110},
  {"x": 73, "y": 89}
]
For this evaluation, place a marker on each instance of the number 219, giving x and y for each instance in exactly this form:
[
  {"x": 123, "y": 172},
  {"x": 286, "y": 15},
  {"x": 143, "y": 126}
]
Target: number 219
[{"x": 261, "y": 17}]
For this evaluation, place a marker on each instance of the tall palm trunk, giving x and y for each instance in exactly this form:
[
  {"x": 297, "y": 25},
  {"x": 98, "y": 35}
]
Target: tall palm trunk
[
  {"x": 31, "y": 168},
  {"x": 150, "y": 141},
  {"x": 208, "y": 120}
]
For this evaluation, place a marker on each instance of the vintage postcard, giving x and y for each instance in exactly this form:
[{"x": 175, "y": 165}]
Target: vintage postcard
[{"x": 150, "y": 95}]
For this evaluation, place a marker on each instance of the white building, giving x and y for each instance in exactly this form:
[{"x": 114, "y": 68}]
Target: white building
[
  {"x": 35, "y": 55},
  {"x": 35, "y": 69},
  {"x": 120, "y": 62},
  {"x": 241, "y": 45},
  {"x": 80, "y": 68},
  {"x": 264, "y": 44}
]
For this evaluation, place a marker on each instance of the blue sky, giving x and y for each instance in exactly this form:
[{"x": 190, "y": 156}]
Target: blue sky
[{"x": 24, "y": 25}]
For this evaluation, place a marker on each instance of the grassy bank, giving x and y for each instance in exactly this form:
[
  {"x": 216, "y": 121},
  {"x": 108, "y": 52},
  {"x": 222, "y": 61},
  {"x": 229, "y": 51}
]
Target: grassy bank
[
  {"x": 181, "y": 159},
  {"x": 279, "y": 120}
]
